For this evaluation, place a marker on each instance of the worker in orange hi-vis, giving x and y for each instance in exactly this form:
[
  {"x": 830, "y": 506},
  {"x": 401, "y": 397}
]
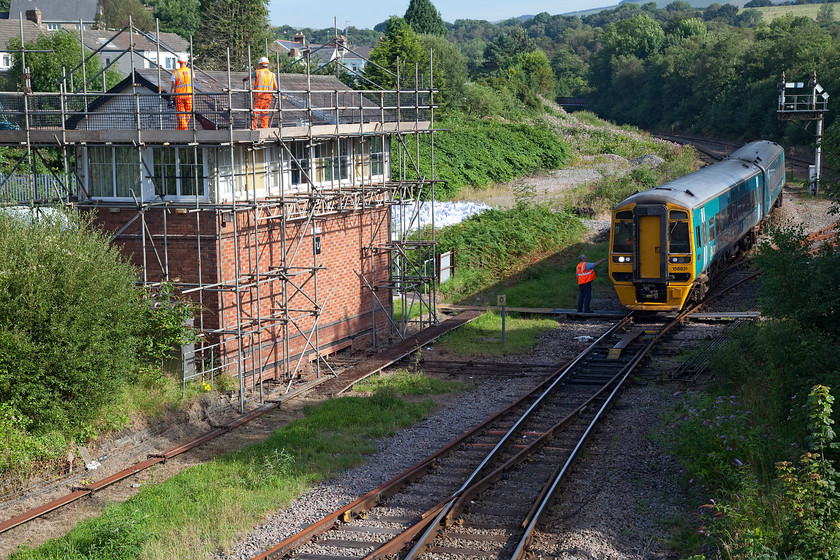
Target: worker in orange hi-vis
[
  {"x": 182, "y": 88},
  {"x": 264, "y": 84}
]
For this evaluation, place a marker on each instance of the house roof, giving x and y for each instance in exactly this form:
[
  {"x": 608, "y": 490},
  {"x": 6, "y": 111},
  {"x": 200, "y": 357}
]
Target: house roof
[
  {"x": 358, "y": 52},
  {"x": 95, "y": 39},
  {"x": 330, "y": 99},
  {"x": 58, "y": 10},
  {"x": 11, "y": 28}
]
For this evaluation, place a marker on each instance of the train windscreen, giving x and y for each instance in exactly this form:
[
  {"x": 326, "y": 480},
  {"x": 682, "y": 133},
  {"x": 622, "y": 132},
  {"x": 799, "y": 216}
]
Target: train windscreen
[
  {"x": 678, "y": 238},
  {"x": 623, "y": 234}
]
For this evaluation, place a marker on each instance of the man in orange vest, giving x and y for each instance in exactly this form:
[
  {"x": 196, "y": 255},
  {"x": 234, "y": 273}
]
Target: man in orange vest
[
  {"x": 585, "y": 276},
  {"x": 182, "y": 88},
  {"x": 264, "y": 84}
]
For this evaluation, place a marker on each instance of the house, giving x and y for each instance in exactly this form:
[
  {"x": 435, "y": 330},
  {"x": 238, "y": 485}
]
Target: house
[
  {"x": 351, "y": 57},
  {"x": 12, "y": 28},
  {"x": 57, "y": 14},
  {"x": 281, "y": 236},
  {"x": 115, "y": 48}
]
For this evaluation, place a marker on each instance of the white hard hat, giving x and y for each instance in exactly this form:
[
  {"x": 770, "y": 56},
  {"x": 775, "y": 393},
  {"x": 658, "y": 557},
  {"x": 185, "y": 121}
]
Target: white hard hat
[
  {"x": 182, "y": 58},
  {"x": 263, "y": 60}
]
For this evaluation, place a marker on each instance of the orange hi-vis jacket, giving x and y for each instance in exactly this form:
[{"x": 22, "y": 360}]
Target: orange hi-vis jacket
[
  {"x": 584, "y": 275},
  {"x": 183, "y": 80},
  {"x": 264, "y": 80}
]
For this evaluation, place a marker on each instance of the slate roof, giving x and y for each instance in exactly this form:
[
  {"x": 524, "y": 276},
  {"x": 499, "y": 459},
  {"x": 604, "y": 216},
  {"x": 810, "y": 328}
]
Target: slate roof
[
  {"x": 58, "y": 11},
  {"x": 11, "y": 28},
  {"x": 211, "y": 103},
  {"x": 95, "y": 39}
]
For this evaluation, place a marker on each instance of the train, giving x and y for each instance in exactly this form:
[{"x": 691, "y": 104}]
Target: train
[{"x": 668, "y": 243}]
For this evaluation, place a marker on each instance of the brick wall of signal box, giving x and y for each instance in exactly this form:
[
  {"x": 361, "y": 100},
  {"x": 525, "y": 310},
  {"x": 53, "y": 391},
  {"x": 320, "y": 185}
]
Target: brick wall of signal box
[{"x": 350, "y": 311}]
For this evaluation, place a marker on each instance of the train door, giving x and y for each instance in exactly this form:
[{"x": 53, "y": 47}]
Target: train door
[{"x": 651, "y": 222}]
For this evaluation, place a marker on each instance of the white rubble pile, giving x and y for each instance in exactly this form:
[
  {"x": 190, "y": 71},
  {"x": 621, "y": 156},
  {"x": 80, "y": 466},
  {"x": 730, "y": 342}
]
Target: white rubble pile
[{"x": 446, "y": 214}]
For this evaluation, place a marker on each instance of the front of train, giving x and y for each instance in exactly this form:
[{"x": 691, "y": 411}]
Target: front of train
[{"x": 651, "y": 256}]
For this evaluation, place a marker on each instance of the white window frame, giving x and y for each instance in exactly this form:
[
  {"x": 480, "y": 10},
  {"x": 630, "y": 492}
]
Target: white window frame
[
  {"x": 204, "y": 186},
  {"x": 113, "y": 166}
]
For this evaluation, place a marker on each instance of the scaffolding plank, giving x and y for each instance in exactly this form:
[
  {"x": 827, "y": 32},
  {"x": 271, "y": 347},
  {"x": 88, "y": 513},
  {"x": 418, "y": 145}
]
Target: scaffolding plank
[{"x": 395, "y": 352}]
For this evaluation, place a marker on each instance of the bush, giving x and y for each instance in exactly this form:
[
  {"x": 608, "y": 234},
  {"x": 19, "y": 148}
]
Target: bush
[
  {"x": 69, "y": 314},
  {"x": 482, "y": 152}
]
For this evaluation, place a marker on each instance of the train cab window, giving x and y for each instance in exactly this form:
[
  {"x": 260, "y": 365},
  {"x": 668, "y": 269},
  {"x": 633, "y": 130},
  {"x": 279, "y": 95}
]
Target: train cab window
[
  {"x": 623, "y": 237},
  {"x": 678, "y": 240}
]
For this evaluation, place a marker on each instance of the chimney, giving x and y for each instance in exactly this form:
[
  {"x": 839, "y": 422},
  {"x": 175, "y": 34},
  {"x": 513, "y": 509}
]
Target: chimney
[
  {"x": 34, "y": 16},
  {"x": 300, "y": 37}
]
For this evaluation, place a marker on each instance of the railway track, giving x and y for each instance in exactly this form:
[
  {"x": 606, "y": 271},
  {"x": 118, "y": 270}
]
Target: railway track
[
  {"x": 715, "y": 150},
  {"x": 484, "y": 494}
]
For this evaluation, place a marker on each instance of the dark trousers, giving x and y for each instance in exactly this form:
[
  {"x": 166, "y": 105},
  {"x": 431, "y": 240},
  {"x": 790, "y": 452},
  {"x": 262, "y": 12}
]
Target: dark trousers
[{"x": 584, "y": 297}]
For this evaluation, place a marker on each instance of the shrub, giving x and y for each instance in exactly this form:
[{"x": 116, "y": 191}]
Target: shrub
[
  {"x": 69, "y": 314},
  {"x": 482, "y": 152}
]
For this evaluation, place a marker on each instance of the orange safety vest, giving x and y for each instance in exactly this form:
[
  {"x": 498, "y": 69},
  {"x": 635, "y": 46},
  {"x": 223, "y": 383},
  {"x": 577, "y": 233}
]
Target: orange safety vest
[
  {"x": 183, "y": 80},
  {"x": 583, "y": 275},
  {"x": 263, "y": 80}
]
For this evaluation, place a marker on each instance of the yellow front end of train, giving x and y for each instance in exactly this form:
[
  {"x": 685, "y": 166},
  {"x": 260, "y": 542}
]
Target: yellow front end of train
[{"x": 651, "y": 262}]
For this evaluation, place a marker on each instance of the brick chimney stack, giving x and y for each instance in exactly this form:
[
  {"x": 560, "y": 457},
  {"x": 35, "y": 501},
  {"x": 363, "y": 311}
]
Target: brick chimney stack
[{"x": 34, "y": 16}]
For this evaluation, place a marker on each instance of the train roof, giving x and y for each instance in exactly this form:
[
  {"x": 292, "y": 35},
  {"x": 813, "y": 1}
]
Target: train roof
[{"x": 696, "y": 188}]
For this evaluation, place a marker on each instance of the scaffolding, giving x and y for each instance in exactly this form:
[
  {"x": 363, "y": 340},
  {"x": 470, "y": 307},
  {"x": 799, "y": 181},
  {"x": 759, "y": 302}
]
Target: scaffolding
[{"x": 238, "y": 219}]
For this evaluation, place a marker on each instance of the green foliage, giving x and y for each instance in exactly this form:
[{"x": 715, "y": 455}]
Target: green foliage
[
  {"x": 496, "y": 240},
  {"x": 399, "y": 46},
  {"x": 20, "y": 450},
  {"x": 205, "y": 508},
  {"x": 116, "y": 14},
  {"x": 450, "y": 70},
  {"x": 178, "y": 16},
  {"x": 236, "y": 24},
  {"x": 481, "y": 152},
  {"x": 69, "y": 318},
  {"x": 165, "y": 322},
  {"x": 423, "y": 17},
  {"x": 47, "y": 68},
  {"x": 403, "y": 382},
  {"x": 483, "y": 336},
  {"x": 813, "y": 505},
  {"x": 790, "y": 268}
]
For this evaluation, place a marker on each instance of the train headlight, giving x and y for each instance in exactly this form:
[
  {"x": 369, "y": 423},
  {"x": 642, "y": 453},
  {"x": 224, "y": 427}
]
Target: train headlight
[
  {"x": 680, "y": 259},
  {"x": 622, "y": 259}
]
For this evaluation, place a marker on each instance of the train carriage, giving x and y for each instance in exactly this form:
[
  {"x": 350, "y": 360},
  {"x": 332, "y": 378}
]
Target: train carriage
[{"x": 668, "y": 242}]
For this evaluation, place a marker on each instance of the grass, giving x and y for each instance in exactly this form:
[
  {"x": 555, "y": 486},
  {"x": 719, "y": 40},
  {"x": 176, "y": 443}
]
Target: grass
[
  {"x": 210, "y": 506},
  {"x": 405, "y": 382},
  {"x": 483, "y": 336},
  {"x": 769, "y": 13}
]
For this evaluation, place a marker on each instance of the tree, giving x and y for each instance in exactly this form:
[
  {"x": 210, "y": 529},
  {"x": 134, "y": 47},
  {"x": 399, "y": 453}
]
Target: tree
[
  {"x": 46, "y": 68},
  {"x": 535, "y": 70},
  {"x": 423, "y": 17},
  {"x": 570, "y": 72},
  {"x": 826, "y": 14},
  {"x": 233, "y": 24},
  {"x": 178, "y": 16},
  {"x": 400, "y": 45},
  {"x": 116, "y": 13},
  {"x": 639, "y": 36},
  {"x": 450, "y": 69}
]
